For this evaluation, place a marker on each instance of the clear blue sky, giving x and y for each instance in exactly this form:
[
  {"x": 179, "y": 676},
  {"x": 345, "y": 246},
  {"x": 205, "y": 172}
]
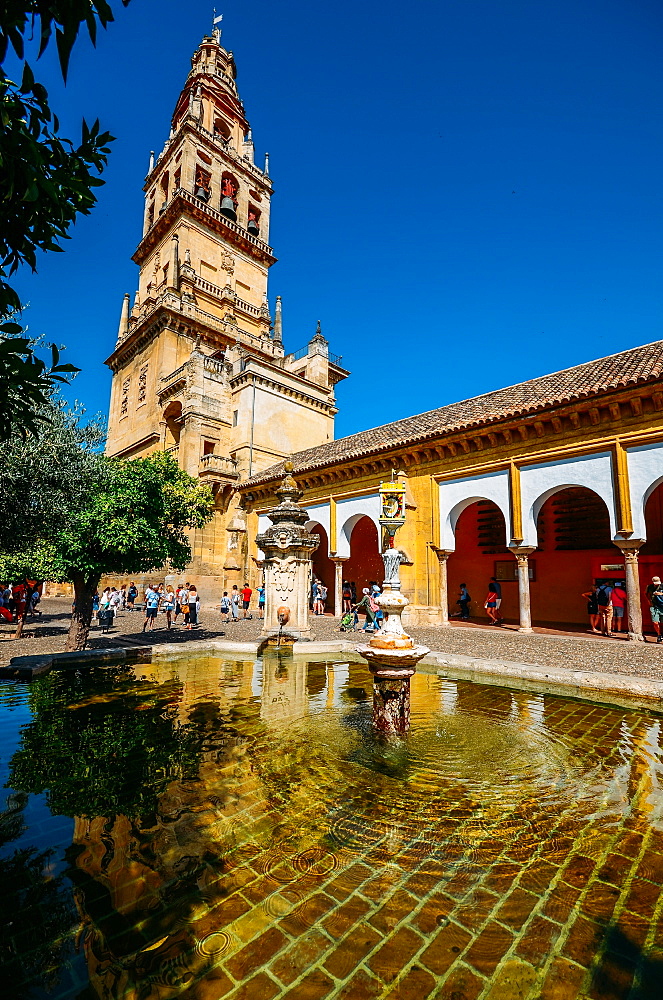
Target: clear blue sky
[{"x": 468, "y": 192}]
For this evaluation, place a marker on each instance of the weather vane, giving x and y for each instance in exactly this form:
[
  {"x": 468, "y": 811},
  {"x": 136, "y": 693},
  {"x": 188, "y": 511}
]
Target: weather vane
[{"x": 216, "y": 20}]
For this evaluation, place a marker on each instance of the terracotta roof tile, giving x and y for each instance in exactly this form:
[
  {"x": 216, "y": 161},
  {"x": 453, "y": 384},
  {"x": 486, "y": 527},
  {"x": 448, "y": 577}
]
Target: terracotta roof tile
[{"x": 640, "y": 364}]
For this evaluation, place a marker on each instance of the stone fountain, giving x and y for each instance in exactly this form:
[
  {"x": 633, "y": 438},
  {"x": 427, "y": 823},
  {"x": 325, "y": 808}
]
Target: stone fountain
[
  {"x": 288, "y": 547},
  {"x": 391, "y": 653}
]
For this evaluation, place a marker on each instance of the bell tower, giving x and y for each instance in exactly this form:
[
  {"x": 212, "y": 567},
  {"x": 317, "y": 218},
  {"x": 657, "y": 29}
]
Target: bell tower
[{"x": 199, "y": 367}]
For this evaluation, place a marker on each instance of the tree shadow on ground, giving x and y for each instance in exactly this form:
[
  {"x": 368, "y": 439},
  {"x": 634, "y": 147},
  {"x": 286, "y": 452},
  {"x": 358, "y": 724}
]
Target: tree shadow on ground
[{"x": 625, "y": 970}]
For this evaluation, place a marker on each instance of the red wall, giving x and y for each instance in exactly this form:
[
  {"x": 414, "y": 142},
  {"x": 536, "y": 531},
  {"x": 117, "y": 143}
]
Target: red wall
[
  {"x": 365, "y": 562},
  {"x": 470, "y": 565},
  {"x": 323, "y": 567}
]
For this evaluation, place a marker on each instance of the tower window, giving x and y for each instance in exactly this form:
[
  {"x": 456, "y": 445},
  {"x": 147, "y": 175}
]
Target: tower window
[
  {"x": 253, "y": 224},
  {"x": 235, "y": 416},
  {"x": 164, "y": 192},
  {"x": 229, "y": 189},
  {"x": 221, "y": 129},
  {"x": 208, "y": 447},
  {"x": 203, "y": 184},
  {"x": 150, "y": 214},
  {"x": 177, "y": 180}
]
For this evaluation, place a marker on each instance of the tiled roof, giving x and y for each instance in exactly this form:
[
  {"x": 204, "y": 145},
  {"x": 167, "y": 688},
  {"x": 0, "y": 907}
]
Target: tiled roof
[{"x": 640, "y": 364}]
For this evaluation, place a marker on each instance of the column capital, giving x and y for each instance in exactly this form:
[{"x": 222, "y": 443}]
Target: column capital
[
  {"x": 441, "y": 553},
  {"x": 338, "y": 559},
  {"x": 522, "y": 551},
  {"x": 629, "y": 546}
]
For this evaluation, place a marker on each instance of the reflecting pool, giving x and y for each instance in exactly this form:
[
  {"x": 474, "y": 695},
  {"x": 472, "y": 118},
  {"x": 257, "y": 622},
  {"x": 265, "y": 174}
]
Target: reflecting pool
[{"x": 217, "y": 827}]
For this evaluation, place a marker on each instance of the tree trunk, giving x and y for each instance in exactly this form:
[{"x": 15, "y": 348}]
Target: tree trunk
[
  {"x": 82, "y": 614},
  {"x": 20, "y": 619}
]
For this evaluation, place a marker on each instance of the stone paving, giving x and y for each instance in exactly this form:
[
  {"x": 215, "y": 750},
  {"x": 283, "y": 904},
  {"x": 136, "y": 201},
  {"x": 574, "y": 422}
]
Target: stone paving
[{"x": 545, "y": 647}]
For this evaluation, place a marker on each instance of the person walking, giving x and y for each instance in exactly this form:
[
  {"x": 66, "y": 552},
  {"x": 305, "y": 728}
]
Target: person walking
[
  {"x": 168, "y": 605},
  {"x": 234, "y": 602},
  {"x": 191, "y": 618},
  {"x": 320, "y": 596},
  {"x": 655, "y": 598},
  {"x": 347, "y": 596},
  {"x": 365, "y": 606},
  {"x": 490, "y": 604},
  {"x": 151, "y": 607},
  {"x": 246, "y": 600},
  {"x": 618, "y": 607},
  {"x": 114, "y": 602},
  {"x": 591, "y": 596},
  {"x": 497, "y": 589},
  {"x": 604, "y": 598},
  {"x": 224, "y": 606},
  {"x": 379, "y": 614},
  {"x": 132, "y": 594},
  {"x": 181, "y": 593},
  {"x": 464, "y": 602},
  {"x": 261, "y": 600}
]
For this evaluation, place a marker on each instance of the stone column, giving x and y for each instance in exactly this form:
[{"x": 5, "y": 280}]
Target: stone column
[
  {"x": 338, "y": 585},
  {"x": 443, "y": 555},
  {"x": 629, "y": 548},
  {"x": 522, "y": 554}
]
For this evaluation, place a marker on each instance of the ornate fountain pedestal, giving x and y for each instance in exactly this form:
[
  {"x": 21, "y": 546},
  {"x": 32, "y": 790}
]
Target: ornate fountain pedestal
[
  {"x": 288, "y": 547},
  {"x": 392, "y": 655}
]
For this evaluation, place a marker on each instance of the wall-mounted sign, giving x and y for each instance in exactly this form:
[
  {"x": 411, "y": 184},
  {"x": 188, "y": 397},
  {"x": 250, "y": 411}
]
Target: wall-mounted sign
[{"x": 609, "y": 566}]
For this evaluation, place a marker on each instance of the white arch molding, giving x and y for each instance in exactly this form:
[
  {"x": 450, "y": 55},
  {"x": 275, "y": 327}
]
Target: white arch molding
[
  {"x": 348, "y": 513},
  {"x": 540, "y": 482},
  {"x": 458, "y": 494},
  {"x": 645, "y": 473}
]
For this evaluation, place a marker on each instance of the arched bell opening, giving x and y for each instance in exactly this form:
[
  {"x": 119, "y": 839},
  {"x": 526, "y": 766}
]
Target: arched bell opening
[
  {"x": 481, "y": 552},
  {"x": 574, "y": 550}
]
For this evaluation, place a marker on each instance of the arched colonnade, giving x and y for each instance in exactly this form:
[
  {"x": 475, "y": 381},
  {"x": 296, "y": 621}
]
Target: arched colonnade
[
  {"x": 603, "y": 495},
  {"x": 618, "y": 484}
]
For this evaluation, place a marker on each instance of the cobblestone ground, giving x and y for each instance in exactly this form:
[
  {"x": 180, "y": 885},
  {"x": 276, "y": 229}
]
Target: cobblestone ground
[{"x": 545, "y": 647}]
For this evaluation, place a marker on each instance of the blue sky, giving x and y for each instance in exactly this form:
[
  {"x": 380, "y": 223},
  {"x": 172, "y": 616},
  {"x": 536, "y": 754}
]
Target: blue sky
[{"x": 468, "y": 192}]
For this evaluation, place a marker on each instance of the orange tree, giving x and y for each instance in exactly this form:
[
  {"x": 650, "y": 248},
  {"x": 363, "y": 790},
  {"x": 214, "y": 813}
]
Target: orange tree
[{"x": 132, "y": 518}]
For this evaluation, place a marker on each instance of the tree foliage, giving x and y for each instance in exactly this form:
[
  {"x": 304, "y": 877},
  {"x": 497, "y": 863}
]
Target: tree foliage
[
  {"x": 113, "y": 748},
  {"x": 43, "y": 480},
  {"x": 46, "y": 181}
]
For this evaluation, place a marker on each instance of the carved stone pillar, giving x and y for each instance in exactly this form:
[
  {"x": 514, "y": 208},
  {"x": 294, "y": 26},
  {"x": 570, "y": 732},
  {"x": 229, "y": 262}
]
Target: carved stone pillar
[
  {"x": 338, "y": 585},
  {"x": 288, "y": 547},
  {"x": 522, "y": 554},
  {"x": 443, "y": 555},
  {"x": 629, "y": 548}
]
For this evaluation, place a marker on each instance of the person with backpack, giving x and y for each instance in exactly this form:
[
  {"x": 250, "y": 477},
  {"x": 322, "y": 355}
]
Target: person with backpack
[
  {"x": 234, "y": 602},
  {"x": 592, "y": 608},
  {"x": 619, "y": 599},
  {"x": 114, "y": 602},
  {"x": 321, "y": 597},
  {"x": 261, "y": 600},
  {"x": 367, "y": 605},
  {"x": 655, "y": 598},
  {"x": 246, "y": 600},
  {"x": 604, "y": 601},
  {"x": 224, "y": 606}
]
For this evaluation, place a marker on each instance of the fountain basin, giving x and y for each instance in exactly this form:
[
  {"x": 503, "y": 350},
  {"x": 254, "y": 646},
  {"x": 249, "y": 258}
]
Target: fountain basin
[{"x": 390, "y": 662}]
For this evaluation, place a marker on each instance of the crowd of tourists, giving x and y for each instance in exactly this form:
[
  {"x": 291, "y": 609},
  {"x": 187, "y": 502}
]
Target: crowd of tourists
[{"x": 19, "y": 598}]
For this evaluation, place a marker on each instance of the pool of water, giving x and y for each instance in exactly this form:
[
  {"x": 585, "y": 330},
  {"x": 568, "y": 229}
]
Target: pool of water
[{"x": 210, "y": 827}]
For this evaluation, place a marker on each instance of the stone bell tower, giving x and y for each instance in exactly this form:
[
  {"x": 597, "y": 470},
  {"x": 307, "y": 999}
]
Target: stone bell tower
[{"x": 199, "y": 367}]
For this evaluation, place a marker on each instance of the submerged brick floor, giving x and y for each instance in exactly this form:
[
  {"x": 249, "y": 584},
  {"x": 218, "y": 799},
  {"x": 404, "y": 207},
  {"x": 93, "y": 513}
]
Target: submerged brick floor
[{"x": 289, "y": 868}]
